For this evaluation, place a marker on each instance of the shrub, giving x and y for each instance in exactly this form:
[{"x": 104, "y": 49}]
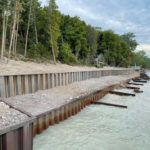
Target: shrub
[
  {"x": 66, "y": 55},
  {"x": 38, "y": 51}
]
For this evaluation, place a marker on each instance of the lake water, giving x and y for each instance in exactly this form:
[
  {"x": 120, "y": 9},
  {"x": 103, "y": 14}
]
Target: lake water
[{"x": 100, "y": 127}]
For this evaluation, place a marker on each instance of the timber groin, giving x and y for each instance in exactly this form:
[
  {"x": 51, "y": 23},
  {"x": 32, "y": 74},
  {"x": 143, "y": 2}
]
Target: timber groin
[{"x": 40, "y": 107}]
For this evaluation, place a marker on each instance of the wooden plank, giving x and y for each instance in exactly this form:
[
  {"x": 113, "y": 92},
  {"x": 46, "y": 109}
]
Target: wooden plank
[
  {"x": 132, "y": 87},
  {"x": 141, "y": 81},
  {"x": 137, "y": 91},
  {"x": 135, "y": 83},
  {"x": 121, "y": 93},
  {"x": 109, "y": 104}
]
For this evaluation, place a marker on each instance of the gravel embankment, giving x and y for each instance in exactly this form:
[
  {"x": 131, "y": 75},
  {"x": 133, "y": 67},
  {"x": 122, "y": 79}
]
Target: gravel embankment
[
  {"x": 43, "y": 101},
  {"x": 10, "y": 117}
]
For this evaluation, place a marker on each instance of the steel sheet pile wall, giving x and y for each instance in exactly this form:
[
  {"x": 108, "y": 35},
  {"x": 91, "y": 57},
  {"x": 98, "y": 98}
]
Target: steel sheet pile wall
[
  {"x": 19, "y": 137},
  {"x": 55, "y": 116},
  {"x": 13, "y": 85}
]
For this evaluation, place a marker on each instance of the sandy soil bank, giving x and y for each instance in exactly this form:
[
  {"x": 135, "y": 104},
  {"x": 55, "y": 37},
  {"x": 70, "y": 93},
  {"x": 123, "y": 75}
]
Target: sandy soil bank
[{"x": 20, "y": 67}]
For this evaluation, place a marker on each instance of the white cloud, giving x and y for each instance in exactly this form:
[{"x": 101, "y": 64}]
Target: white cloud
[
  {"x": 121, "y": 16},
  {"x": 144, "y": 47}
]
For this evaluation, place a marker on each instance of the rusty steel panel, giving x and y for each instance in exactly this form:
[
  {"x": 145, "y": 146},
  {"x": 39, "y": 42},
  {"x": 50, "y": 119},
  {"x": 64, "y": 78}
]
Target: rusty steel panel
[
  {"x": 27, "y": 137},
  {"x": 18, "y": 139}
]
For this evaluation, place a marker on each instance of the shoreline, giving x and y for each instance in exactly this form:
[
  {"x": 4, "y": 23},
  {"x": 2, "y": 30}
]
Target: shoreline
[
  {"x": 52, "y": 103},
  {"x": 62, "y": 102}
]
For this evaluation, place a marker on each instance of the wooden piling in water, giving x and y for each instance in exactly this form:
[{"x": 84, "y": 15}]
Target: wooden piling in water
[
  {"x": 109, "y": 104},
  {"x": 135, "y": 83},
  {"x": 142, "y": 81},
  {"x": 137, "y": 91},
  {"x": 132, "y": 87},
  {"x": 121, "y": 93}
]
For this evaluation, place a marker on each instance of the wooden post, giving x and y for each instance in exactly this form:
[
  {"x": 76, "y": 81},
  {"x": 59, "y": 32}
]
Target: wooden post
[
  {"x": 121, "y": 93},
  {"x": 110, "y": 104}
]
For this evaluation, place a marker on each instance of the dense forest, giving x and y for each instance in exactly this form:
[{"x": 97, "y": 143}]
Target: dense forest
[{"x": 31, "y": 32}]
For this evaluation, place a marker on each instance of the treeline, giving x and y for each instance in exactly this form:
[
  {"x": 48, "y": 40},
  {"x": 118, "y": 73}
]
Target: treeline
[
  {"x": 141, "y": 59},
  {"x": 44, "y": 33}
]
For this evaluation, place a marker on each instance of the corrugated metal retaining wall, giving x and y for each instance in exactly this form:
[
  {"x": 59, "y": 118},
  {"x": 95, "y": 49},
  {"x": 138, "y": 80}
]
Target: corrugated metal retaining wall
[
  {"x": 13, "y": 85},
  {"x": 57, "y": 115},
  {"x": 19, "y": 137}
]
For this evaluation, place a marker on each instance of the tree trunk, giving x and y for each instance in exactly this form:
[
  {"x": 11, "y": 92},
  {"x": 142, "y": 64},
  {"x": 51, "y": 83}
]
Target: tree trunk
[
  {"x": 53, "y": 51},
  {"x": 28, "y": 26},
  {"x": 16, "y": 37},
  {"x": 13, "y": 45},
  {"x": 36, "y": 34},
  {"x": 35, "y": 28},
  {"x": 3, "y": 36},
  {"x": 12, "y": 35}
]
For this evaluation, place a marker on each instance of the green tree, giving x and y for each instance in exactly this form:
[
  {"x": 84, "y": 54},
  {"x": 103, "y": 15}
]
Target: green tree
[
  {"x": 92, "y": 44},
  {"x": 140, "y": 59},
  {"x": 4, "y": 13},
  {"x": 47, "y": 33},
  {"x": 74, "y": 33},
  {"x": 117, "y": 52},
  {"x": 66, "y": 55},
  {"x": 129, "y": 38},
  {"x": 54, "y": 27}
]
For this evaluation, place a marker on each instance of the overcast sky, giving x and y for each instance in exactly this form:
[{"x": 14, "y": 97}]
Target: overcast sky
[{"x": 121, "y": 16}]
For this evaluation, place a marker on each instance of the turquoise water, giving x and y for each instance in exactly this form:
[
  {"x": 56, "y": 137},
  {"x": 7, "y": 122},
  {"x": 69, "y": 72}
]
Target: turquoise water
[{"x": 103, "y": 127}]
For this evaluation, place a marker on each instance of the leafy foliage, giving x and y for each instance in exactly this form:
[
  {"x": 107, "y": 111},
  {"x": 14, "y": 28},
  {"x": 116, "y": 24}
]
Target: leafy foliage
[
  {"x": 54, "y": 25},
  {"x": 117, "y": 52},
  {"x": 66, "y": 55},
  {"x": 129, "y": 38},
  {"x": 140, "y": 59},
  {"x": 67, "y": 38}
]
